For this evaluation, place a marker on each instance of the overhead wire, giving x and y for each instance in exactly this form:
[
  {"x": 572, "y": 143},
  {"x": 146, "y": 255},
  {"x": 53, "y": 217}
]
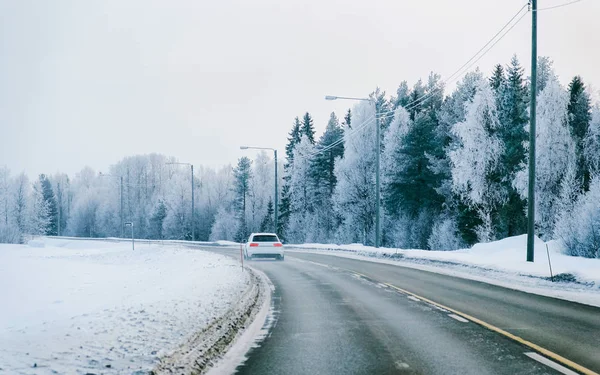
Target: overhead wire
[
  {"x": 453, "y": 77},
  {"x": 559, "y": 5}
]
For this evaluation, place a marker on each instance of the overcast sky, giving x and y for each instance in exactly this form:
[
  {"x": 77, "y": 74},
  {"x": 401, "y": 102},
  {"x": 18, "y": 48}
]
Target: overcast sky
[{"x": 89, "y": 82}]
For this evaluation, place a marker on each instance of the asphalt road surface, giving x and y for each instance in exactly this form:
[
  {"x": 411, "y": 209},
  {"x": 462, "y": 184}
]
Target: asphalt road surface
[{"x": 345, "y": 316}]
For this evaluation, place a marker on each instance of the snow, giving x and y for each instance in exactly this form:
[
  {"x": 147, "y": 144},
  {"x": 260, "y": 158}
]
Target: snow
[
  {"x": 500, "y": 262},
  {"x": 77, "y": 306}
]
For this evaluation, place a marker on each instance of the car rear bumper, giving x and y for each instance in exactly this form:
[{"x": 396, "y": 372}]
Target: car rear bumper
[{"x": 264, "y": 253}]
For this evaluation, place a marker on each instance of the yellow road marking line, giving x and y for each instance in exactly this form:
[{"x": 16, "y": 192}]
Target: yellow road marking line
[{"x": 491, "y": 327}]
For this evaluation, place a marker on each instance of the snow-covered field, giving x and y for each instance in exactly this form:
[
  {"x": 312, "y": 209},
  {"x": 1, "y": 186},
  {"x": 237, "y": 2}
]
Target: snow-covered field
[
  {"x": 501, "y": 262},
  {"x": 77, "y": 307}
]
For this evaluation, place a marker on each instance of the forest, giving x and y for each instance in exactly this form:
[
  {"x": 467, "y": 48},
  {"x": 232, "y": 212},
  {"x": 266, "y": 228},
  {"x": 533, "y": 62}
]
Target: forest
[{"x": 453, "y": 173}]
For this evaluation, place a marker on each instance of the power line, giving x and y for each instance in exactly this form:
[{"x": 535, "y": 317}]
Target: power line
[
  {"x": 559, "y": 5},
  {"x": 453, "y": 77}
]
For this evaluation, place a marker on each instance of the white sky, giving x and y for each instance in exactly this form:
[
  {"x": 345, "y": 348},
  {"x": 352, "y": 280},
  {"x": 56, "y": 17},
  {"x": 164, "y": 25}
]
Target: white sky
[{"x": 89, "y": 82}]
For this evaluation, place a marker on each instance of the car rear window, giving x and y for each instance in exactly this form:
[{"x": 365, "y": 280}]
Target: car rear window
[{"x": 264, "y": 238}]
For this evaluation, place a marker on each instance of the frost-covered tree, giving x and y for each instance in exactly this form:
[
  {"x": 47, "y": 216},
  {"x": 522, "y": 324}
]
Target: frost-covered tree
[
  {"x": 308, "y": 128},
  {"x": 579, "y": 123},
  {"x": 513, "y": 116},
  {"x": 301, "y": 193},
  {"x": 354, "y": 195},
  {"x": 579, "y": 229},
  {"x": 555, "y": 155},
  {"x": 411, "y": 183},
  {"x": 226, "y": 225},
  {"x": 591, "y": 142},
  {"x": 445, "y": 235},
  {"x": 475, "y": 156},
  {"x": 9, "y": 231},
  {"x": 20, "y": 203},
  {"x": 284, "y": 204},
  {"x": 328, "y": 150},
  {"x": 267, "y": 223},
  {"x": 39, "y": 217},
  {"x": 242, "y": 175},
  {"x": 50, "y": 201}
]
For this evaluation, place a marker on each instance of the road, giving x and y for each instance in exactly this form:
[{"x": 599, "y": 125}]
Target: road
[{"x": 345, "y": 316}]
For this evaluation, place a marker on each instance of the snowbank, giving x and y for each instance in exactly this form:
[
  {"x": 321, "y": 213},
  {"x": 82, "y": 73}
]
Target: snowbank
[
  {"x": 503, "y": 260},
  {"x": 99, "y": 307}
]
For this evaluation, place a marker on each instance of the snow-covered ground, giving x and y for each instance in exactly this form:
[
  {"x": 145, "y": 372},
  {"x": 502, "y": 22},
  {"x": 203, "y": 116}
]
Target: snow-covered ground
[
  {"x": 76, "y": 307},
  {"x": 501, "y": 262}
]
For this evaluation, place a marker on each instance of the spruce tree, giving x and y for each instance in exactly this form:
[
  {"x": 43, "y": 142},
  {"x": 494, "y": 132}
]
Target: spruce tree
[
  {"x": 580, "y": 114},
  {"x": 51, "y": 204},
  {"x": 267, "y": 223},
  {"x": 242, "y": 175},
  {"x": 510, "y": 220},
  {"x": 284, "y": 202},
  {"x": 308, "y": 128}
]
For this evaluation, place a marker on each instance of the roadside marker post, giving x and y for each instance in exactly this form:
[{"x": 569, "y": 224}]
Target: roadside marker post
[
  {"x": 242, "y": 256},
  {"x": 549, "y": 263}
]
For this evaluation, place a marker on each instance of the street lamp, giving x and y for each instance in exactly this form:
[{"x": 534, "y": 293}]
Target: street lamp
[
  {"x": 276, "y": 195},
  {"x": 378, "y": 147},
  {"x": 193, "y": 215},
  {"x": 121, "y": 195}
]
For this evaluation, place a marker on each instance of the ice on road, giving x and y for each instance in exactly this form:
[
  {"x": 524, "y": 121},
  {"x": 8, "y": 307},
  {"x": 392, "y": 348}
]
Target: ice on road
[{"x": 89, "y": 306}]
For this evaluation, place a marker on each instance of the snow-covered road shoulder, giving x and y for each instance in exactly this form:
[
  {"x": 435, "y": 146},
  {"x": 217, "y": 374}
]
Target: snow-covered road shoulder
[
  {"x": 99, "y": 307},
  {"x": 500, "y": 263}
]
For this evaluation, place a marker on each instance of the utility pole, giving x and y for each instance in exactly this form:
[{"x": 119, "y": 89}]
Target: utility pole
[
  {"x": 531, "y": 190},
  {"x": 121, "y": 198},
  {"x": 59, "y": 196},
  {"x": 276, "y": 197},
  {"x": 193, "y": 212},
  {"x": 377, "y": 212}
]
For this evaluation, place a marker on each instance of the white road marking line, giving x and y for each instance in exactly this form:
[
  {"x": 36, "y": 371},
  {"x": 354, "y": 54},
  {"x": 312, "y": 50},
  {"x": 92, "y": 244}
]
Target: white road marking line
[
  {"x": 401, "y": 365},
  {"x": 458, "y": 317},
  {"x": 549, "y": 363},
  {"x": 382, "y": 285},
  {"x": 413, "y": 298},
  {"x": 439, "y": 308}
]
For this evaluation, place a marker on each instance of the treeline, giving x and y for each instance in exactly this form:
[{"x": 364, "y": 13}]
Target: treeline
[
  {"x": 156, "y": 198},
  {"x": 454, "y": 167},
  {"x": 453, "y": 173}
]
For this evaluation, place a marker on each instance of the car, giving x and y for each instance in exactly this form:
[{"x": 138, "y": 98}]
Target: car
[{"x": 264, "y": 245}]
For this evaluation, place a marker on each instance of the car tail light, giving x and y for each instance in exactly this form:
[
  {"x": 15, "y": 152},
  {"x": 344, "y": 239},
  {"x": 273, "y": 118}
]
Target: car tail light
[
  {"x": 278, "y": 244},
  {"x": 253, "y": 244}
]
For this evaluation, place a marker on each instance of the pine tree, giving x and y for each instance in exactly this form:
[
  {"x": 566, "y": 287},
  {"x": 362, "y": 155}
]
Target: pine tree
[
  {"x": 267, "y": 223},
  {"x": 411, "y": 183},
  {"x": 293, "y": 139},
  {"x": 308, "y": 128},
  {"x": 242, "y": 175},
  {"x": 498, "y": 79},
  {"x": 284, "y": 203},
  {"x": 50, "y": 199},
  {"x": 510, "y": 219},
  {"x": 301, "y": 194},
  {"x": 157, "y": 219},
  {"x": 579, "y": 122},
  {"x": 402, "y": 95},
  {"x": 324, "y": 162},
  {"x": 348, "y": 119}
]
